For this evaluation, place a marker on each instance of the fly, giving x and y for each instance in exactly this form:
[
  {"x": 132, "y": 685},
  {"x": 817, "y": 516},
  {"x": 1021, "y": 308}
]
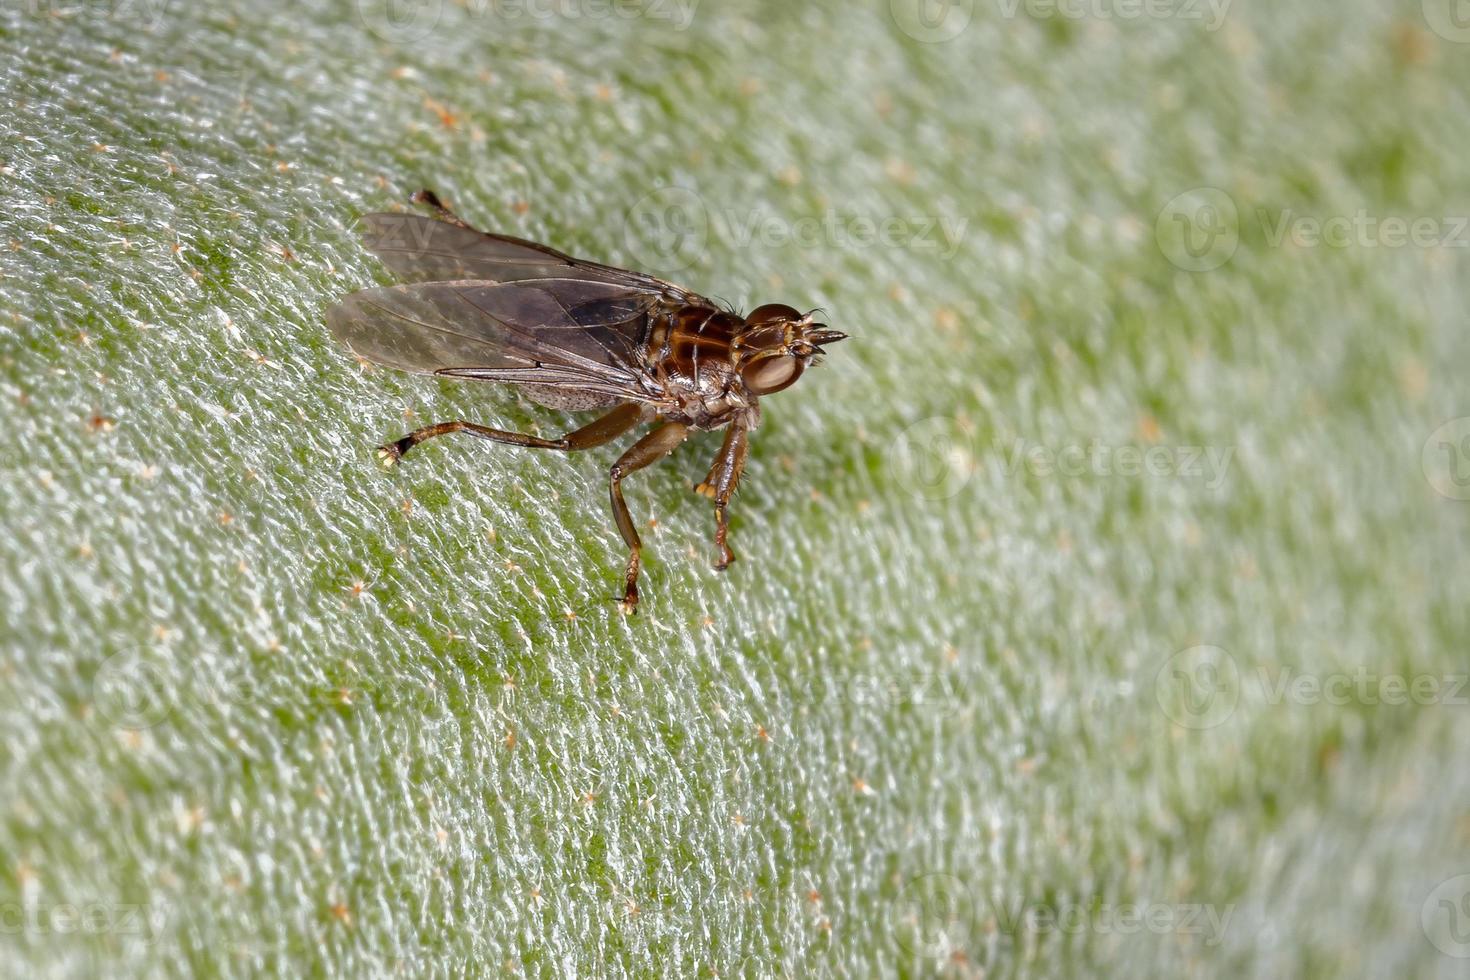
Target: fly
[{"x": 578, "y": 336}]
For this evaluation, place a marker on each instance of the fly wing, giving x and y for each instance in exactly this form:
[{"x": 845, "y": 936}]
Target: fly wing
[
  {"x": 420, "y": 249},
  {"x": 559, "y": 334}
]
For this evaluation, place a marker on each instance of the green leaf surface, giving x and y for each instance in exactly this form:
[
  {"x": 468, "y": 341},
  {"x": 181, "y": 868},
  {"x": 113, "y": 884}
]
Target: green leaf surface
[{"x": 1100, "y": 604}]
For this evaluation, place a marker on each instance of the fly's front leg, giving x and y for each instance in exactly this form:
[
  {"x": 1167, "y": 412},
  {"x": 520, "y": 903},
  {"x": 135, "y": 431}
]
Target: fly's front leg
[
  {"x": 646, "y": 451},
  {"x": 595, "y": 433},
  {"x": 432, "y": 200},
  {"x": 720, "y": 485}
]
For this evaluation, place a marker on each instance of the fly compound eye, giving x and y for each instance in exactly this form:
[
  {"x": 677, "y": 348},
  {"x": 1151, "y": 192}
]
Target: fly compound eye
[
  {"x": 769, "y": 375},
  {"x": 772, "y": 313}
]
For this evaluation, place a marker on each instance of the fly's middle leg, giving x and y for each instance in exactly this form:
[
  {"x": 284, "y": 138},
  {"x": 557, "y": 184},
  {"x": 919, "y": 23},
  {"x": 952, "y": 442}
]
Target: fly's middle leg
[
  {"x": 594, "y": 433},
  {"x": 646, "y": 451},
  {"x": 720, "y": 486}
]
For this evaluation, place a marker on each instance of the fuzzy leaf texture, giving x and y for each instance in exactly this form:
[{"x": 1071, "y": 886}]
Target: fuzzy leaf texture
[{"x": 1100, "y": 603}]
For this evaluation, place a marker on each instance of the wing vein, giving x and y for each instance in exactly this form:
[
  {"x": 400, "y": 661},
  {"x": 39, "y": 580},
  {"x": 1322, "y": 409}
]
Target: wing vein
[
  {"x": 436, "y": 328},
  {"x": 553, "y": 353}
]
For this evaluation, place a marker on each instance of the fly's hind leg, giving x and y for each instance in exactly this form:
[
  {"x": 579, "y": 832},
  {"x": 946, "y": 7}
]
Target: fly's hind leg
[
  {"x": 720, "y": 485},
  {"x": 431, "y": 199},
  {"x": 646, "y": 451},
  {"x": 595, "y": 433}
]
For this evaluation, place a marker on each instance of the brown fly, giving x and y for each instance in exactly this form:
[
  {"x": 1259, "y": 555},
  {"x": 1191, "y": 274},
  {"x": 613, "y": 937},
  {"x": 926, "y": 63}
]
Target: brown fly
[{"x": 578, "y": 336}]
